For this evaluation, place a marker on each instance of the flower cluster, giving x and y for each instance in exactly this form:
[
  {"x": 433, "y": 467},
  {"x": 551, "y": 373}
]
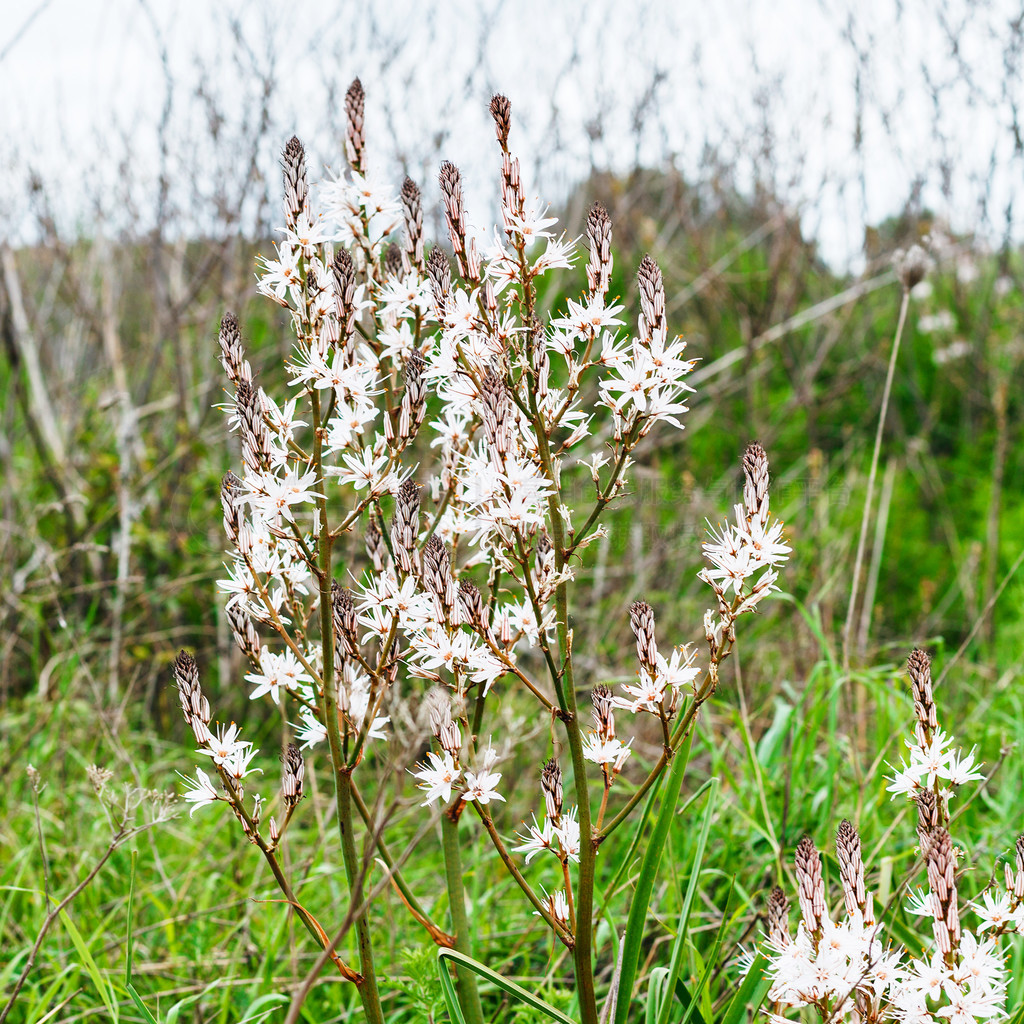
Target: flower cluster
[
  {"x": 434, "y": 419},
  {"x": 844, "y": 969}
]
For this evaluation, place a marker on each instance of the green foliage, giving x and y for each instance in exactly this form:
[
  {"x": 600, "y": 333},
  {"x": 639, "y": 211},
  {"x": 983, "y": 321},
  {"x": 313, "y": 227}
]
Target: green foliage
[{"x": 793, "y": 742}]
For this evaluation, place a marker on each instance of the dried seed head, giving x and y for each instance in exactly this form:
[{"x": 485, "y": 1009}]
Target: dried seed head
[
  {"x": 641, "y": 619},
  {"x": 755, "y": 484},
  {"x": 599, "y": 235},
  {"x": 296, "y": 187},
  {"x": 355, "y": 102},
  {"x": 942, "y": 883},
  {"x": 851, "y": 868},
  {"x": 98, "y": 778},
  {"x": 343, "y": 611},
  {"x": 440, "y": 273},
  {"x": 406, "y": 525},
  {"x": 551, "y": 785},
  {"x": 35, "y": 780},
  {"x": 292, "y": 770},
  {"x": 437, "y": 575},
  {"x": 911, "y": 266},
  {"x": 413, "y": 212},
  {"x": 194, "y": 706},
  {"x": 604, "y": 702},
  {"x": 414, "y": 398},
  {"x": 231, "y": 353},
  {"x": 652, "y": 302},
  {"x": 778, "y": 918},
  {"x": 375, "y": 546},
  {"x": 393, "y": 265},
  {"x": 919, "y": 665},
  {"x": 472, "y": 604},
  {"x": 501, "y": 111},
  {"x": 811, "y": 887}
]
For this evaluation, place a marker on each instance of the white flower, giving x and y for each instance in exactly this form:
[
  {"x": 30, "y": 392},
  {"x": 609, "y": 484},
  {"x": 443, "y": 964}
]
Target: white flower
[
  {"x": 480, "y": 787},
  {"x": 277, "y": 671},
  {"x": 605, "y": 751},
  {"x": 437, "y": 777},
  {"x": 237, "y": 762},
  {"x": 222, "y": 744},
  {"x": 537, "y": 838},
  {"x": 996, "y": 912},
  {"x": 200, "y": 791}
]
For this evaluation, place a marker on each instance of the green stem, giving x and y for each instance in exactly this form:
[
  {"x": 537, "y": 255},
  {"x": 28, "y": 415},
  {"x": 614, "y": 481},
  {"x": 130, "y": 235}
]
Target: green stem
[
  {"x": 367, "y": 984},
  {"x": 869, "y": 498},
  {"x": 469, "y": 994}
]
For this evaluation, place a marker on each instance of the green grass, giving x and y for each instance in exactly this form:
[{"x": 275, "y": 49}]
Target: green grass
[{"x": 793, "y": 744}]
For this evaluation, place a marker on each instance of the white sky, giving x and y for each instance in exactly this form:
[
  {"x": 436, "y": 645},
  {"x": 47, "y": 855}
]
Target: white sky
[{"x": 83, "y": 89}]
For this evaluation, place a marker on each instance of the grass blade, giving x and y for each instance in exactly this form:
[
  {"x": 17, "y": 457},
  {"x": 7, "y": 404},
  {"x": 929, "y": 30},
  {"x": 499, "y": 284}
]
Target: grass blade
[
  {"x": 645, "y": 883},
  {"x": 496, "y": 979},
  {"x": 102, "y": 986},
  {"x": 750, "y": 994},
  {"x": 676, "y": 963}
]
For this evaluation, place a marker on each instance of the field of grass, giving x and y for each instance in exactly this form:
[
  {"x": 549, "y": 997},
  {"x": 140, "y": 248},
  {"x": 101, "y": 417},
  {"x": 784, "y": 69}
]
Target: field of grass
[{"x": 113, "y": 549}]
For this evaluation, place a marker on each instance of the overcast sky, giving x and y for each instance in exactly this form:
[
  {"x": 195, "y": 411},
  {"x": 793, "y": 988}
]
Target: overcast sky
[{"x": 84, "y": 86}]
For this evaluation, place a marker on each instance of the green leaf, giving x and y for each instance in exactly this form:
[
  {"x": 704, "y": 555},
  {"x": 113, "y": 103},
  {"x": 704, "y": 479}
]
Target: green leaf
[
  {"x": 132, "y": 990},
  {"x": 750, "y": 994},
  {"x": 102, "y": 986},
  {"x": 496, "y": 979},
  {"x": 675, "y": 965},
  {"x": 637, "y": 921}
]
